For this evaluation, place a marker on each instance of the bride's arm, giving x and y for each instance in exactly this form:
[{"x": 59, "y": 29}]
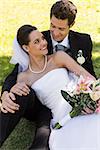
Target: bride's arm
[{"x": 64, "y": 60}]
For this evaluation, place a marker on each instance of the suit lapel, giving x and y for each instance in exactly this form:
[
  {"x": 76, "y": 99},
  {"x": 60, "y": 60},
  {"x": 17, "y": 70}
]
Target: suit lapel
[
  {"x": 73, "y": 44},
  {"x": 50, "y": 46}
]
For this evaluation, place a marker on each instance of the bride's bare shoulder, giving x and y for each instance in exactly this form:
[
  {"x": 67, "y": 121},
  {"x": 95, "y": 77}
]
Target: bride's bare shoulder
[
  {"x": 22, "y": 76},
  {"x": 58, "y": 56},
  {"x": 60, "y": 53},
  {"x": 50, "y": 57}
]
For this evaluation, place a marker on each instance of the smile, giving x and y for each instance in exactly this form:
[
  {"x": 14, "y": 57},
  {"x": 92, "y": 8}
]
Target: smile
[{"x": 45, "y": 48}]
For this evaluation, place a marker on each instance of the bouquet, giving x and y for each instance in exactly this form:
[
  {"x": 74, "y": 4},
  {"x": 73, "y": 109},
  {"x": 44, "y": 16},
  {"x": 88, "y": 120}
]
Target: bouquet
[{"x": 85, "y": 95}]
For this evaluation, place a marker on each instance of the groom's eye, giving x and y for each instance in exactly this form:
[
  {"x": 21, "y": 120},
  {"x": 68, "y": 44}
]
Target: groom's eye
[{"x": 52, "y": 26}]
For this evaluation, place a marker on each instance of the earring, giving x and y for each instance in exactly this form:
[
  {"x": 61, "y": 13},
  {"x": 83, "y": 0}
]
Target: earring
[{"x": 26, "y": 50}]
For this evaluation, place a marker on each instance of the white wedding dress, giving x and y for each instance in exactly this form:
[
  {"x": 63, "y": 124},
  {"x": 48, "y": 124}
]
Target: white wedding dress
[{"x": 79, "y": 133}]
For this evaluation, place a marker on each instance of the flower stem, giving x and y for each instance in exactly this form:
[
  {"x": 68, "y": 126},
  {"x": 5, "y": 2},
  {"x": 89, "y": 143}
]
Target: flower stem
[{"x": 57, "y": 126}]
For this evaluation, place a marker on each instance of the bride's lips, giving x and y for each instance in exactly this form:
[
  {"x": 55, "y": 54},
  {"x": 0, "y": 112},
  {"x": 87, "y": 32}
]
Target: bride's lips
[{"x": 45, "y": 48}]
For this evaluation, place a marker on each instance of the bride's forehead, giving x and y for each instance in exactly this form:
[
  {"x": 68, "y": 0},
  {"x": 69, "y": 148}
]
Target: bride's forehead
[{"x": 35, "y": 34}]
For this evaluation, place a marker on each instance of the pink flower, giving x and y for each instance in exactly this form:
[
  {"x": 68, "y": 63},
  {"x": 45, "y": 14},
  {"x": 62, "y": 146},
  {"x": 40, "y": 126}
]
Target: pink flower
[
  {"x": 95, "y": 95},
  {"x": 97, "y": 109},
  {"x": 83, "y": 85}
]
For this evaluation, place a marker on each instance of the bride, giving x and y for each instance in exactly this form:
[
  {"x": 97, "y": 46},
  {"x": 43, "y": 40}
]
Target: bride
[{"x": 48, "y": 75}]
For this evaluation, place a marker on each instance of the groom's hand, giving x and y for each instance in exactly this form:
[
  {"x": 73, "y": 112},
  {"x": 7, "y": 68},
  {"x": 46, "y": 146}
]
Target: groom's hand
[
  {"x": 8, "y": 98},
  {"x": 8, "y": 104},
  {"x": 20, "y": 89}
]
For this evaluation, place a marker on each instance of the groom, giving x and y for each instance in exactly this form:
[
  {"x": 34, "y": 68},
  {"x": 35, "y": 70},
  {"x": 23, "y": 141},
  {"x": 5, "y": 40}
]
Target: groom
[{"x": 20, "y": 101}]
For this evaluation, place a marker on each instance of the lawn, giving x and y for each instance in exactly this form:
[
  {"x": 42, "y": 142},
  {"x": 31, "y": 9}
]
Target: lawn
[{"x": 15, "y": 13}]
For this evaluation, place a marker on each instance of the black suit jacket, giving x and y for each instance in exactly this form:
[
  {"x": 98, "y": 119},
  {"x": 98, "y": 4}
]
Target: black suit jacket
[{"x": 77, "y": 41}]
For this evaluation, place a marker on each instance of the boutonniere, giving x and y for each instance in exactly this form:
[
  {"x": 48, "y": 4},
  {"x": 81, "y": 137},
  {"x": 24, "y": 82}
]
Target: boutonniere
[{"x": 80, "y": 58}]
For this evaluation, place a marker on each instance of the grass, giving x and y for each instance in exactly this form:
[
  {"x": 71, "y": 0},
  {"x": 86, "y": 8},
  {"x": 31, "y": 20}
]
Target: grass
[
  {"x": 15, "y": 13},
  {"x": 21, "y": 137}
]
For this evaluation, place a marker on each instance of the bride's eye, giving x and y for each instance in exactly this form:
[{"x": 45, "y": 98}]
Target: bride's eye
[{"x": 36, "y": 41}]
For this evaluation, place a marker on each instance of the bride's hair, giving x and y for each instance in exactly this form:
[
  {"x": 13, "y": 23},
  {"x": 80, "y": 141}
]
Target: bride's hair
[
  {"x": 23, "y": 34},
  {"x": 20, "y": 56}
]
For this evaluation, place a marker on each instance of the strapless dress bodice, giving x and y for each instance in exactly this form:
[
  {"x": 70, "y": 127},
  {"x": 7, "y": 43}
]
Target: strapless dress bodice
[{"x": 48, "y": 90}]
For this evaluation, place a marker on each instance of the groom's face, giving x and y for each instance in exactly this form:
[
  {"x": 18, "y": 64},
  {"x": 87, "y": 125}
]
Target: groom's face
[{"x": 59, "y": 28}]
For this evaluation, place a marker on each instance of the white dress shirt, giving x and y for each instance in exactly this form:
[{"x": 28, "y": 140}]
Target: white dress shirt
[{"x": 65, "y": 43}]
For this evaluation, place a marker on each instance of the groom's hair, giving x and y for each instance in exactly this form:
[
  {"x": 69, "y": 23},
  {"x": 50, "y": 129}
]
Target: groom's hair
[
  {"x": 64, "y": 10},
  {"x": 23, "y": 34}
]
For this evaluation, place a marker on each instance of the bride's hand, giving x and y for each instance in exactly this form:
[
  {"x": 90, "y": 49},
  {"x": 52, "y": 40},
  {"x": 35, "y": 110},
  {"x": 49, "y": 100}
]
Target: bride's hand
[
  {"x": 88, "y": 76},
  {"x": 98, "y": 107},
  {"x": 20, "y": 89}
]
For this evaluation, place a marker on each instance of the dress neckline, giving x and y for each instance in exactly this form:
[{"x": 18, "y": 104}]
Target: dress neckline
[{"x": 53, "y": 70}]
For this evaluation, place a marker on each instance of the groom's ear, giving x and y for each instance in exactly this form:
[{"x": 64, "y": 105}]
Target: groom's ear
[
  {"x": 72, "y": 24},
  {"x": 25, "y": 48}
]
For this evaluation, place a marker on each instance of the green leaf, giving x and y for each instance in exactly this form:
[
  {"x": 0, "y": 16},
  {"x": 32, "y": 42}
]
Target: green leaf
[
  {"x": 57, "y": 126},
  {"x": 68, "y": 98},
  {"x": 76, "y": 111}
]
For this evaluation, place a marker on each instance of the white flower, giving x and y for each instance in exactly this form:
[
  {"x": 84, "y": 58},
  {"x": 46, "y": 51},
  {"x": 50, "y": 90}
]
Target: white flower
[
  {"x": 80, "y": 58},
  {"x": 95, "y": 94}
]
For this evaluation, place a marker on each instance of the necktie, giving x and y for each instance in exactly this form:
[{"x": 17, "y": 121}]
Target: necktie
[{"x": 59, "y": 47}]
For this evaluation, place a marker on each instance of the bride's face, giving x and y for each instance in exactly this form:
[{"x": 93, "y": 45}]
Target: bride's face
[{"x": 37, "y": 45}]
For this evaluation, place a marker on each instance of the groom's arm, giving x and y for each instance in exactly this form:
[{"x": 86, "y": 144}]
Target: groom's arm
[
  {"x": 10, "y": 80},
  {"x": 9, "y": 89}
]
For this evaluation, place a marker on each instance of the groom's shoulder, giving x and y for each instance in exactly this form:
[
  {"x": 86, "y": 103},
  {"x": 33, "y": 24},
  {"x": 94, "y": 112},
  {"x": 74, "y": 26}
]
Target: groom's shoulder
[
  {"x": 15, "y": 68},
  {"x": 79, "y": 35}
]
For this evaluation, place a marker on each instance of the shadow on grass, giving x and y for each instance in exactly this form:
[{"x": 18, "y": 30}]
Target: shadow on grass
[
  {"x": 96, "y": 64},
  {"x": 5, "y": 68},
  {"x": 96, "y": 58},
  {"x": 21, "y": 137},
  {"x": 96, "y": 47}
]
